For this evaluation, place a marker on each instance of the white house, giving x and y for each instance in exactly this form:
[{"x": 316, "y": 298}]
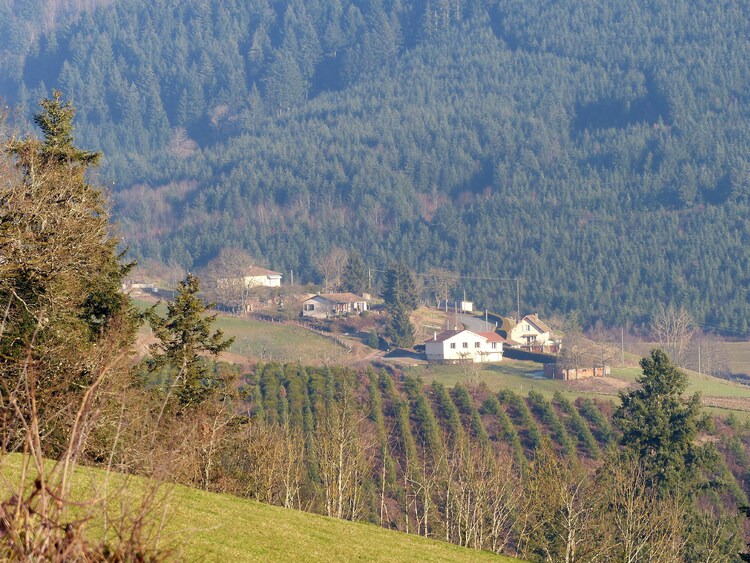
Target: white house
[
  {"x": 531, "y": 332},
  {"x": 461, "y": 345},
  {"x": 255, "y": 276},
  {"x": 326, "y": 305}
]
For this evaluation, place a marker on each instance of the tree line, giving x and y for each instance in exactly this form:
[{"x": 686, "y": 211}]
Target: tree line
[{"x": 485, "y": 138}]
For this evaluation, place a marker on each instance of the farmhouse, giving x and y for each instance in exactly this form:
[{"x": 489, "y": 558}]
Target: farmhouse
[
  {"x": 327, "y": 305},
  {"x": 532, "y": 334},
  {"x": 464, "y": 345},
  {"x": 252, "y": 277},
  {"x": 255, "y": 277}
]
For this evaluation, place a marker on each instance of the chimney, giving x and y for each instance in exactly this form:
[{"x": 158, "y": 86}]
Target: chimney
[{"x": 434, "y": 335}]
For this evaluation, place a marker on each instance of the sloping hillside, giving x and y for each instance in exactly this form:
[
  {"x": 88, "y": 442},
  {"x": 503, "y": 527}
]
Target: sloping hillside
[{"x": 202, "y": 526}]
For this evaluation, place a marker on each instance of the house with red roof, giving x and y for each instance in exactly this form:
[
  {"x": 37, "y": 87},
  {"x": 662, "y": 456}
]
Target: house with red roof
[{"x": 455, "y": 346}]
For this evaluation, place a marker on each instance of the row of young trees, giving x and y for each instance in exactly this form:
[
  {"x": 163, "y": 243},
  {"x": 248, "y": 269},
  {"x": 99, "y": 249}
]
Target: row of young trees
[{"x": 430, "y": 462}]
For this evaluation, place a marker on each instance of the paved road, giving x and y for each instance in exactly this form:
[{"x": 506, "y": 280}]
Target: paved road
[{"x": 476, "y": 324}]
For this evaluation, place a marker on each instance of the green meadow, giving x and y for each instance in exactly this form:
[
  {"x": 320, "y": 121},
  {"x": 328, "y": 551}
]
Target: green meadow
[{"x": 202, "y": 526}]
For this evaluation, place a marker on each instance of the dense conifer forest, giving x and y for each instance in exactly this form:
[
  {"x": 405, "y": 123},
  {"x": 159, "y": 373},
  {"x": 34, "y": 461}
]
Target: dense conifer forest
[{"x": 596, "y": 151}]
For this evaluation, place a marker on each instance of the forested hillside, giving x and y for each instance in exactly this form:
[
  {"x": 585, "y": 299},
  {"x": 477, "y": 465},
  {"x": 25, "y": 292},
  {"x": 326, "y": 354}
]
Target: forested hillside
[{"x": 597, "y": 151}]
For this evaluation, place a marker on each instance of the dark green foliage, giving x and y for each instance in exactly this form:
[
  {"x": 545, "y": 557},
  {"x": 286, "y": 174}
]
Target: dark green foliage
[
  {"x": 601, "y": 427},
  {"x": 184, "y": 337},
  {"x": 578, "y": 426},
  {"x": 523, "y": 417},
  {"x": 658, "y": 424},
  {"x": 546, "y": 413},
  {"x": 462, "y": 399},
  {"x": 355, "y": 277},
  {"x": 381, "y": 115},
  {"x": 372, "y": 339},
  {"x": 507, "y": 431},
  {"x": 399, "y": 332},
  {"x": 466, "y": 406},
  {"x": 427, "y": 426},
  {"x": 448, "y": 413},
  {"x": 399, "y": 291},
  {"x": 64, "y": 315}
]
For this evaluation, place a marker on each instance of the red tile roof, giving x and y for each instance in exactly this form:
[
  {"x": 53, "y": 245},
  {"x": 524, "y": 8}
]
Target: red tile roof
[
  {"x": 448, "y": 334},
  {"x": 492, "y": 336}
]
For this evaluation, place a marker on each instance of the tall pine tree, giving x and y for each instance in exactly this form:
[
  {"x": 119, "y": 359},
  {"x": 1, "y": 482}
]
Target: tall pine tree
[{"x": 184, "y": 339}]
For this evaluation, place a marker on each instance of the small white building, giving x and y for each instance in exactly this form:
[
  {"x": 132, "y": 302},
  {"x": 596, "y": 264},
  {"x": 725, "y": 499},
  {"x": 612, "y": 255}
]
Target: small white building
[
  {"x": 327, "y": 305},
  {"x": 464, "y": 345},
  {"x": 252, "y": 277},
  {"x": 256, "y": 276}
]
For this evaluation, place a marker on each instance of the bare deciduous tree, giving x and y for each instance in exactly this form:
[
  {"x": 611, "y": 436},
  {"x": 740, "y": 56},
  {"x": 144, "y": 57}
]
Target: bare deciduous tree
[
  {"x": 603, "y": 351},
  {"x": 673, "y": 329},
  {"x": 438, "y": 284},
  {"x": 575, "y": 352},
  {"x": 225, "y": 276},
  {"x": 331, "y": 267}
]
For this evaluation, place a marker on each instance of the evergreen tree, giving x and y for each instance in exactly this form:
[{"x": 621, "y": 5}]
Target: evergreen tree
[
  {"x": 658, "y": 424},
  {"x": 399, "y": 332},
  {"x": 60, "y": 273},
  {"x": 399, "y": 290},
  {"x": 184, "y": 338},
  {"x": 355, "y": 277}
]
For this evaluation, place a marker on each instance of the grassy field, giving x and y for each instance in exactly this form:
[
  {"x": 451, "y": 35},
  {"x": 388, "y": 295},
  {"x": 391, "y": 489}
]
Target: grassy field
[
  {"x": 270, "y": 342},
  {"x": 201, "y": 526},
  {"x": 522, "y": 376},
  {"x": 738, "y": 357}
]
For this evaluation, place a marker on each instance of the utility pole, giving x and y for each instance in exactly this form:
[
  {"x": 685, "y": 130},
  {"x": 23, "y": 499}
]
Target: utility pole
[
  {"x": 518, "y": 299},
  {"x": 292, "y": 271},
  {"x": 699, "y": 357},
  {"x": 622, "y": 346}
]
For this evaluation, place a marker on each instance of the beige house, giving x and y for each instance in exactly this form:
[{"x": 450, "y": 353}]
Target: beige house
[
  {"x": 464, "y": 345},
  {"x": 530, "y": 333},
  {"x": 260, "y": 277},
  {"x": 327, "y": 305}
]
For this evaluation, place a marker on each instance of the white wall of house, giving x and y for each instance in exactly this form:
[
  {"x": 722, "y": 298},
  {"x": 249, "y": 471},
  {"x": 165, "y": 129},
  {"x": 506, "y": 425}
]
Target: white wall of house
[
  {"x": 462, "y": 346},
  {"x": 271, "y": 280},
  {"x": 317, "y": 307},
  {"x": 526, "y": 332},
  {"x": 321, "y": 306}
]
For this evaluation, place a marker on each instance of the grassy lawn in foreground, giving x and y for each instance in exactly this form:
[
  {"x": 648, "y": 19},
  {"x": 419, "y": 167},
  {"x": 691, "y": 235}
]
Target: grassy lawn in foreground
[{"x": 202, "y": 526}]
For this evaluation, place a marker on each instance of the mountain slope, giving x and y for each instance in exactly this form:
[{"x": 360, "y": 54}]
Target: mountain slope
[{"x": 592, "y": 152}]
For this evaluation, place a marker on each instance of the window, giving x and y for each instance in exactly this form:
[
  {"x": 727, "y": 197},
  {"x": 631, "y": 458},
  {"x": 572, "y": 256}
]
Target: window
[
  {"x": 527, "y": 328},
  {"x": 309, "y": 306},
  {"x": 466, "y": 344},
  {"x": 453, "y": 345},
  {"x": 494, "y": 345},
  {"x": 477, "y": 345}
]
